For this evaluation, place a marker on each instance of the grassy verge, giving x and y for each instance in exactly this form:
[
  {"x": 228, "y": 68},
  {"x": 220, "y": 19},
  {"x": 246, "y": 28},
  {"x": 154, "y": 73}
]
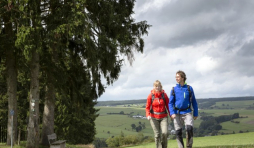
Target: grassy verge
[
  {"x": 243, "y": 140},
  {"x": 23, "y": 145}
]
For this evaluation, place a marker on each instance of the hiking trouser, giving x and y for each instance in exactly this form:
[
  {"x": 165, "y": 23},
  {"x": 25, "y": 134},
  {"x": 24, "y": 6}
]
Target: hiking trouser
[
  {"x": 179, "y": 121},
  {"x": 160, "y": 129}
]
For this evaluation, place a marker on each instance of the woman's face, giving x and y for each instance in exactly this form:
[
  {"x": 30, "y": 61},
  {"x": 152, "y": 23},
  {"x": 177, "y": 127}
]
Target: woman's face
[{"x": 157, "y": 88}]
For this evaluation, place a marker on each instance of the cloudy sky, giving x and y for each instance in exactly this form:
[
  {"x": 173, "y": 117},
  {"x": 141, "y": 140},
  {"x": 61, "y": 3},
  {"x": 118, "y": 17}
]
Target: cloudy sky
[{"x": 212, "y": 41}]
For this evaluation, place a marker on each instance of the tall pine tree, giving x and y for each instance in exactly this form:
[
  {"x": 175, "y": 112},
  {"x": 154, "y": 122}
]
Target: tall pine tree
[
  {"x": 72, "y": 45},
  {"x": 98, "y": 33},
  {"x": 8, "y": 50}
]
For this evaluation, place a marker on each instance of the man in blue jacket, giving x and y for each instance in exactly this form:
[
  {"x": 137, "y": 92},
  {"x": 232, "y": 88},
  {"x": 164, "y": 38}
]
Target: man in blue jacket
[{"x": 182, "y": 100}]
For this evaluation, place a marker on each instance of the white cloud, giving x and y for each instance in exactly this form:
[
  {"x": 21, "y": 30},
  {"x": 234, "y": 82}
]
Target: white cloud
[
  {"x": 152, "y": 5},
  {"x": 205, "y": 65},
  {"x": 212, "y": 41}
]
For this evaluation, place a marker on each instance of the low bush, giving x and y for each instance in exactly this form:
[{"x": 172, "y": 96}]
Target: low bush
[{"x": 121, "y": 140}]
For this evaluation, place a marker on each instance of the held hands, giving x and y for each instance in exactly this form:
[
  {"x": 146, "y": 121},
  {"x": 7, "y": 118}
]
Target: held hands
[
  {"x": 173, "y": 116},
  {"x": 148, "y": 117}
]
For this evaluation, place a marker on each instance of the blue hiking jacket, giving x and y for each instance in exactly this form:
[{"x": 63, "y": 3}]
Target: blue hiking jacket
[{"x": 182, "y": 100}]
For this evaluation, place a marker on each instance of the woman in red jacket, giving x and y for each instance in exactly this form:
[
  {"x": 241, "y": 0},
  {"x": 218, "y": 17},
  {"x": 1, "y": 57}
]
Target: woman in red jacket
[{"x": 156, "y": 112}]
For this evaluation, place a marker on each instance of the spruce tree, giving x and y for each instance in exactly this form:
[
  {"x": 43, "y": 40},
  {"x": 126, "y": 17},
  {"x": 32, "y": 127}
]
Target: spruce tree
[
  {"x": 29, "y": 41},
  {"x": 72, "y": 45},
  {"x": 8, "y": 50},
  {"x": 97, "y": 33}
]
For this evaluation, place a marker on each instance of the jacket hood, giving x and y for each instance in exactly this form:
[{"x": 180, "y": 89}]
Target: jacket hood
[
  {"x": 179, "y": 85},
  {"x": 157, "y": 94}
]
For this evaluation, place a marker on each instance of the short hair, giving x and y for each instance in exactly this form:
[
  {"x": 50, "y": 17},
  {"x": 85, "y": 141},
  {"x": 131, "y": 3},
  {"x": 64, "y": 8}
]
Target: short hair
[
  {"x": 182, "y": 74},
  {"x": 157, "y": 83}
]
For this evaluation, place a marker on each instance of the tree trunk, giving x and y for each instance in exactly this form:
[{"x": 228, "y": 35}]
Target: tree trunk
[
  {"x": 11, "y": 82},
  {"x": 33, "y": 125},
  {"x": 19, "y": 136},
  {"x": 12, "y": 97},
  {"x": 48, "y": 113}
]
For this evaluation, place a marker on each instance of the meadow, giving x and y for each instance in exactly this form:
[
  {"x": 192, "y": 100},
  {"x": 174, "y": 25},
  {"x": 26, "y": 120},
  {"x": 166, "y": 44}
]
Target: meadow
[
  {"x": 108, "y": 125},
  {"x": 235, "y": 104},
  {"x": 245, "y": 124},
  {"x": 240, "y": 140},
  {"x": 113, "y": 124},
  {"x": 243, "y": 140}
]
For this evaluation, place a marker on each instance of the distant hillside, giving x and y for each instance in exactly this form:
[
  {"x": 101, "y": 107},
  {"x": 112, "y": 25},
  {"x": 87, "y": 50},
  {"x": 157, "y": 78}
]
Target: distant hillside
[
  {"x": 207, "y": 103},
  {"x": 203, "y": 103},
  {"x": 121, "y": 102}
]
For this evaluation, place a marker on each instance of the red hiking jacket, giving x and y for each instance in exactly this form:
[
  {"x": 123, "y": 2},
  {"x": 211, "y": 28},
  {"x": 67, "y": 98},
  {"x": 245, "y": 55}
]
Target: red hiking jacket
[{"x": 158, "y": 105}]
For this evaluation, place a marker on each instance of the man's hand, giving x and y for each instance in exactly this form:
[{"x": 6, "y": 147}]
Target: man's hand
[
  {"x": 148, "y": 117},
  {"x": 173, "y": 116},
  {"x": 195, "y": 118}
]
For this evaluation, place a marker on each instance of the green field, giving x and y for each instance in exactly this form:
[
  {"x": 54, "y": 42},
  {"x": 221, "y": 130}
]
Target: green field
[
  {"x": 246, "y": 124},
  {"x": 112, "y": 125},
  {"x": 219, "y": 112},
  {"x": 23, "y": 145},
  {"x": 116, "y": 124},
  {"x": 243, "y": 140},
  {"x": 108, "y": 125},
  {"x": 117, "y": 109},
  {"x": 235, "y": 104}
]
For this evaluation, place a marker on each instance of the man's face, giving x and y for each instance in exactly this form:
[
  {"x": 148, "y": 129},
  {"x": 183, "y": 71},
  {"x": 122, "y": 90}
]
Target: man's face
[{"x": 179, "y": 79}]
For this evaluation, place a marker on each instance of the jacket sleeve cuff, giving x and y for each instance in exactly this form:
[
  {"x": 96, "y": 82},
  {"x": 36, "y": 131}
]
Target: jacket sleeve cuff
[
  {"x": 173, "y": 112},
  {"x": 195, "y": 114}
]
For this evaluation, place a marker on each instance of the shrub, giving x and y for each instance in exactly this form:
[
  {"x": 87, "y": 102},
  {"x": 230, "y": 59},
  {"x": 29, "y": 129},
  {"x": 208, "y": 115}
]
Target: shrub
[
  {"x": 113, "y": 142},
  {"x": 100, "y": 143},
  {"x": 128, "y": 140}
]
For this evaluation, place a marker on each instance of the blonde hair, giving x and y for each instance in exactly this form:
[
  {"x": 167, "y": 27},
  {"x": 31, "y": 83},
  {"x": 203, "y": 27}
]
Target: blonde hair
[{"x": 157, "y": 83}]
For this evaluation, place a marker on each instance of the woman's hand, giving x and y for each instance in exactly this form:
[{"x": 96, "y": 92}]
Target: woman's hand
[{"x": 173, "y": 116}]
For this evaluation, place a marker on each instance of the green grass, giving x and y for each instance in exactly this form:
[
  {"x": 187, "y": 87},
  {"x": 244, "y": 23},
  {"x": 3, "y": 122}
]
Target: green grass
[
  {"x": 244, "y": 125},
  {"x": 235, "y": 104},
  {"x": 243, "y": 140},
  {"x": 228, "y": 127},
  {"x": 116, "y": 124},
  {"x": 118, "y": 109},
  {"x": 23, "y": 145},
  {"x": 218, "y": 112}
]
